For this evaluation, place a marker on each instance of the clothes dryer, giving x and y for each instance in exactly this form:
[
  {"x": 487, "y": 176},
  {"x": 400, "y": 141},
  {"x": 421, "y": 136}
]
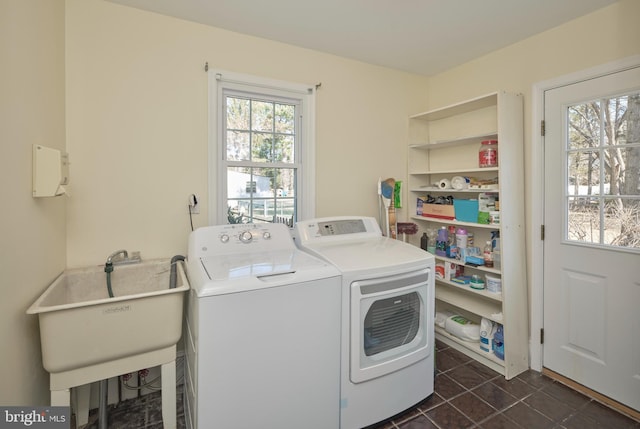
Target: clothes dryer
[{"x": 387, "y": 316}]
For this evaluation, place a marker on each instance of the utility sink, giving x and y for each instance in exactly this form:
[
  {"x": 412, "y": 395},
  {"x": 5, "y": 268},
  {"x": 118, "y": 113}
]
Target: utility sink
[
  {"x": 87, "y": 336},
  {"x": 80, "y": 325}
]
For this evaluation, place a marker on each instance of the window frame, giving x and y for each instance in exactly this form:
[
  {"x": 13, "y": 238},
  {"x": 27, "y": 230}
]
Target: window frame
[{"x": 219, "y": 82}]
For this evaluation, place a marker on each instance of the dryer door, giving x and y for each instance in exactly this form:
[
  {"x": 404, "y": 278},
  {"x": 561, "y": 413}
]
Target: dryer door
[{"x": 388, "y": 324}]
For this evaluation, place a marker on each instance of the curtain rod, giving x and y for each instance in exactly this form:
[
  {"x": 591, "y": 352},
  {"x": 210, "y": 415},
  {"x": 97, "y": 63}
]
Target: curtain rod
[{"x": 219, "y": 77}]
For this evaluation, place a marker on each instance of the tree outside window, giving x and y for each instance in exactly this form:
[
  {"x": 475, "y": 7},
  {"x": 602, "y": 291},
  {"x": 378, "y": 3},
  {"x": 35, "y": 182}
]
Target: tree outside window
[{"x": 603, "y": 171}]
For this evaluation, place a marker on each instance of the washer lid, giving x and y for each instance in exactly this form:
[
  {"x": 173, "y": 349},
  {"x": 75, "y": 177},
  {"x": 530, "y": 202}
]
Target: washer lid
[{"x": 243, "y": 272}]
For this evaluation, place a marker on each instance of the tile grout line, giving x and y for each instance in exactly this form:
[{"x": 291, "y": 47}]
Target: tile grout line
[
  {"x": 492, "y": 415},
  {"x": 535, "y": 389}
]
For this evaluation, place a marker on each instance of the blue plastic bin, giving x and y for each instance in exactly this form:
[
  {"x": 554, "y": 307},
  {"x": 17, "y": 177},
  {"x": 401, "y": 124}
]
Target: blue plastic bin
[{"x": 466, "y": 210}]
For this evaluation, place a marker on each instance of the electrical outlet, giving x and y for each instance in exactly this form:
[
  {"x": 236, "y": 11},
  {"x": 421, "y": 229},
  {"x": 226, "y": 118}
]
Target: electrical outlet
[{"x": 194, "y": 207}]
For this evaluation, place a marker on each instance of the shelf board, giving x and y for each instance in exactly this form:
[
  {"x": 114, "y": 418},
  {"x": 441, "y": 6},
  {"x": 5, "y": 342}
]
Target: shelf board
[
  {"x": 479, "y": 267},
  {"x": 459, "y": 172},
  {"x": 448, "y": 191},
  {"x": 466, "y": 301},
  {"x": 455, "y": 222},
  {"x": 459, "y": 108},
  {"x": 459, "y": 141},
  {"x": 472, "y": 350},
  {"x": 468, "y": 289}
]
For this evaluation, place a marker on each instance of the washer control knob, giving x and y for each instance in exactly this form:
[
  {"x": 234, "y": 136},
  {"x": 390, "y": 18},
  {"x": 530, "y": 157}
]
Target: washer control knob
[
  {"x": 266, "y": 235},
  {"x": 224, "y": 238},
  {"x": 246, "y": 236}
]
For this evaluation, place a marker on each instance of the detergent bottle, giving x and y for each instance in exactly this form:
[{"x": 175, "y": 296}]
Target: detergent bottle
[
  {"x": 441, "y": 242},
  {"x": 487, "y": 333},
  {"x": 498, "y": 342}
]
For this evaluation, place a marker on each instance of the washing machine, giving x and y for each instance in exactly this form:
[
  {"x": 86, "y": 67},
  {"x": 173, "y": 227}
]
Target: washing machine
[
  {"x": 387, "y": 357},
  {"x": 262, "y": 332}
]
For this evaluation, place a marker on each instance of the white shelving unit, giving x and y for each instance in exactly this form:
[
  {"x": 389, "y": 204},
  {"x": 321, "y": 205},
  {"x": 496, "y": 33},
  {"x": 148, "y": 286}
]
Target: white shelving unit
[{"x": 445, "y": 143}]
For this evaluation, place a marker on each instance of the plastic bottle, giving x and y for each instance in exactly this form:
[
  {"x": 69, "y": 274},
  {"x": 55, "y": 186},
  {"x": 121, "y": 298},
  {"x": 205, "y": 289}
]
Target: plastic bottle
[
  {"x": 488, "y": 255},
  {"x": 461, "y": 238},
  {"x": 495, "y": 239},
  {"x": 497, "y": 253},
  {"x": 452, "y": 248},
  {"x": 498, "y": 342},
  {"x": 487, "y": 332},
  {"x": 441, "y": 242},
  {"x": 432, "y": 235},
  {"x": 424, "y": 241}
]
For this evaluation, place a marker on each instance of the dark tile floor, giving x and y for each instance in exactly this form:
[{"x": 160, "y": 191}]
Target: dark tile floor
[
  {"x": 470, "y": 395},
  {"x": 467, "y": 395}
]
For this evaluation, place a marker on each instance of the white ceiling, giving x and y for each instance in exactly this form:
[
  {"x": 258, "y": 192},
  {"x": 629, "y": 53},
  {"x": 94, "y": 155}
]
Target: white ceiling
[{"x": 419, "y": 36}]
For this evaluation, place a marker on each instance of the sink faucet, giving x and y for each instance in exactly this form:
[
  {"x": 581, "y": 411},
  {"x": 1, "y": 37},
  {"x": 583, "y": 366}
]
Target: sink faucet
[
  {"x": 121, "y": 257},
  {"x": 111, "y": 257},
  {"x": 108, "y": 268}
]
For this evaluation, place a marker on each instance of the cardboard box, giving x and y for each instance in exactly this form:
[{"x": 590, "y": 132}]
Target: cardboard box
[
  {"x": 486, "y": 204},
  {"x": 440, "y": 211},
  {"x": 452, "y": 270}
]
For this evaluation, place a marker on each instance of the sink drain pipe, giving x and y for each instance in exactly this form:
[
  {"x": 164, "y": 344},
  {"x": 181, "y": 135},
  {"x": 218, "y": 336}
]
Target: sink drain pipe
[
  {"x": 173, "y": 274},
  {"x": 108, "y": 268},
  {"x": 102, "y": 406}
]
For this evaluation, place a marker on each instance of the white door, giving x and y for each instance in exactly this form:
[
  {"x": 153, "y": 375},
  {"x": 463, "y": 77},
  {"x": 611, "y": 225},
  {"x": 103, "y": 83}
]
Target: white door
[{"x": 592, "y": 234}]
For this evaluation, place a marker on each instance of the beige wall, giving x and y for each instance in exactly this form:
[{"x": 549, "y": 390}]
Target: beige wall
[
  {"x": 32, "y": 231},
  {"x": 136, "y": 127},
  {"x": 601, "y": 37},
  {"x": 137, "y": 121}
]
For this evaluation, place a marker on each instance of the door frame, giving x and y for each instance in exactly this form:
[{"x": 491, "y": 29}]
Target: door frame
[{"x": 537, "y": 191}]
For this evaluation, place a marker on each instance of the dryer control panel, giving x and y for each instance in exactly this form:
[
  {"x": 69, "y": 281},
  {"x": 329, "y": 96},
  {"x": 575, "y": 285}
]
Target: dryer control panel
[{"x": 337, "y": 228}]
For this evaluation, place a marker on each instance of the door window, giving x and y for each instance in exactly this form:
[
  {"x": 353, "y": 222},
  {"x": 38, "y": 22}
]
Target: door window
[{"x": 603, "y": 172}]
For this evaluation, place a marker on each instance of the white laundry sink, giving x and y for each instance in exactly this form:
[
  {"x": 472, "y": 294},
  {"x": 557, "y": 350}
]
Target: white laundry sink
[{"x": 81, "y": 327}]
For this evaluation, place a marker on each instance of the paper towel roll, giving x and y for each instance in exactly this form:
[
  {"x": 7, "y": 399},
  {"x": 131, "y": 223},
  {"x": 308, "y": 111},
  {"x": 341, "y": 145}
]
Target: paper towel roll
[
  {"x": 444, "y": 184},
  {"x": 459, "y": 182}
]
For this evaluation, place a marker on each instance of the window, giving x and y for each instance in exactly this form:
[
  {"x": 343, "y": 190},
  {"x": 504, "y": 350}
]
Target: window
[
  {"x": 262, "y": 139},
  {"x": 603, "y": 172}
]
